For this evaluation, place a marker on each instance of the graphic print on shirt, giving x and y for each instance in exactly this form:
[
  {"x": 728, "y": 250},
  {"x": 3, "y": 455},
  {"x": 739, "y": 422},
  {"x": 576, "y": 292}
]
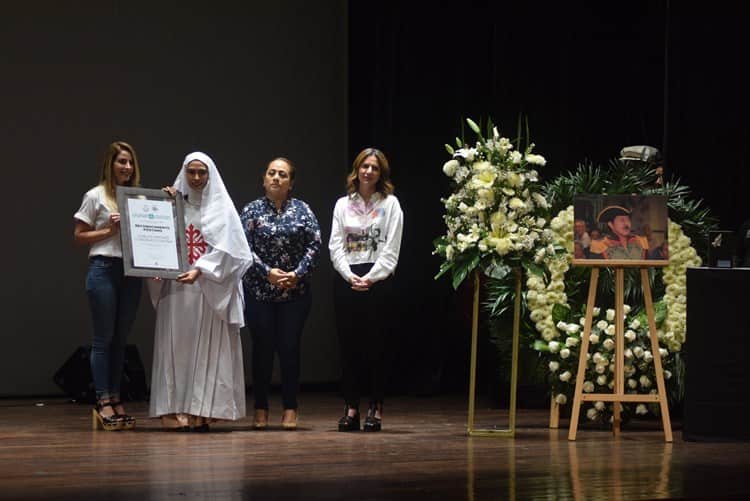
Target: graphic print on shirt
[
  {"x": 368, "y": 236},
  {"x": 196, "y": 246}
]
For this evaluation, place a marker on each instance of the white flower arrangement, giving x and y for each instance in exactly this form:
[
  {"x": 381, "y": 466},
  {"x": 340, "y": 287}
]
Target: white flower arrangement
[
  {"x": 496, "y": 214},
  {"x": 682, "y": 256},
  {"x": 543, "y": 296}
]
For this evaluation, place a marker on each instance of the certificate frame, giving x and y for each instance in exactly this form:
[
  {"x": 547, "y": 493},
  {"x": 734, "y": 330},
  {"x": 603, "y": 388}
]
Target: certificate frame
[{"x": 177, "y": 217}]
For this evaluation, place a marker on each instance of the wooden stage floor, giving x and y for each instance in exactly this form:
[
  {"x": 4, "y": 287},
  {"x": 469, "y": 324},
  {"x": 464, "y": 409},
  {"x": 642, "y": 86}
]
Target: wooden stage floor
[{"x": 49, "y": 452}]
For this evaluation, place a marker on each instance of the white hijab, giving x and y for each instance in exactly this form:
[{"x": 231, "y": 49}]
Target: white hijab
[
  {"x": 222, "y": 229},
  {"x": 220, "y": 223}
]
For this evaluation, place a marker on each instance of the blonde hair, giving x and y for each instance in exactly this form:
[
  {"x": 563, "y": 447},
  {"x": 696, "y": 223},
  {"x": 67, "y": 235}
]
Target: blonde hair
[
  {"x": 384, "y": 186},
  {"x": 107, "y": 179}
]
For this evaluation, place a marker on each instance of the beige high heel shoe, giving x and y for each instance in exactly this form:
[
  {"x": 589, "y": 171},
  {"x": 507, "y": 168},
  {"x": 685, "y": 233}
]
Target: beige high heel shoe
[
  {"x": 289, "y": 419},
  {"x": 261, "y": 419}
]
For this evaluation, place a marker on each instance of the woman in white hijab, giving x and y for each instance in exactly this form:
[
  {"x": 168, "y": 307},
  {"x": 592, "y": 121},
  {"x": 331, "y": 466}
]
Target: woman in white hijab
[{"x": 197, "y": 374}]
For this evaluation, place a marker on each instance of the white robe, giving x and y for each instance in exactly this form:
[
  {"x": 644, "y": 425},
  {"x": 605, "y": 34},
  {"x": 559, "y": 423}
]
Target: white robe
[{"x": 198, "y": 367}]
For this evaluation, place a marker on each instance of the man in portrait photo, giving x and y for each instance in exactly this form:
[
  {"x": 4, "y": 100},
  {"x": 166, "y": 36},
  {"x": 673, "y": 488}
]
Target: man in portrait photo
[{"x": 620, "y": 242}]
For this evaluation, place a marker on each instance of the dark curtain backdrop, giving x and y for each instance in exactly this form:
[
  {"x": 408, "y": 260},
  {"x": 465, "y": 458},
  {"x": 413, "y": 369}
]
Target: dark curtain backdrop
[
  {"x": 590, "y": 77},
  {"x": 248, "y": 81},
  {"x": 242, "y": 81}
]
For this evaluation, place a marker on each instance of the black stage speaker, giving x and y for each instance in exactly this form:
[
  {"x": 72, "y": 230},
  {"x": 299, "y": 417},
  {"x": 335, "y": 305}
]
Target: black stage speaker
[
  {"x": 74, "y": 377},
  {"x": 717, "y": 380}
]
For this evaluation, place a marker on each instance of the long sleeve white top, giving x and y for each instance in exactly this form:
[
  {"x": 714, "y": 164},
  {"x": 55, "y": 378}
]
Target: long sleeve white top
[{"x": 366, "y": 233}]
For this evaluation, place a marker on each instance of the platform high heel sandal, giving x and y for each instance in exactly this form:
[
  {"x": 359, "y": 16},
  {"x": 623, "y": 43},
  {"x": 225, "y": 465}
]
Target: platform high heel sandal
[
  {"x": 347, "y": 422},
  {"x": 373, "y": 423},
  {"x": 128, "y": 421},
  {"x": 107, "y": 423}
]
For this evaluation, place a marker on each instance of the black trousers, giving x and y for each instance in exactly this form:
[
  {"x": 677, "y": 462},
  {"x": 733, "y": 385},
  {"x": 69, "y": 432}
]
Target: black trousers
[
  {"x": 362, "y": 321},
  {"x": 276, "y": 328}
]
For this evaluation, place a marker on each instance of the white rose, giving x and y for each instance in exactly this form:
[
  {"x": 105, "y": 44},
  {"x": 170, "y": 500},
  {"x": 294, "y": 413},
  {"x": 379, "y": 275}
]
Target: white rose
[
  {"x": 626, "y": 308},
  {"x": 450, "y": 167},
  {"x": 561, "y": 399},
  {"x": 608, "y": 344},
  {"x": 610, "y": 330},
  {"x": 594, "y": 338},
  {"x": 645, "y": 381},
  {"x": 601, "y": 325},
  {"x": 535, "y": 159},
  {"x": 539, "y": 200},
  {"x": 599, "y": 405},
  {"x": 641, "y": 409},
  {"x": 638, "y": 352},
  {"x": 564, "y": 353},
  {"x": 601, "y": 380},
  {"x": 632, "y": 384},
  {"x": 635, "y": 324},
  {"x": 600, "y": 368},
  {"x": 663, "y": 352},
  {"x": 597, "y": 358},
  {"x": 628, "y": 353},
  {"x": 588, "y": 386},
  {"x": 565, "y": 376},
  {"x": 562, "y": 325},
  {"x": 571, "y": 342},
  {"x": 597, "y": 310},
  {"x": 553, "y": 366},
  {"x": 592, "y": 413},
  {"x": 647, "y": 356},
  {"x": 554, "y": 346},
  {"x": 610, "y": 315},
  {"x": 572, "y": 328},
  {"x": 630, "y": 335},
  {"x": 516, "y": 203},
  {"x": 667, "y": 374}
]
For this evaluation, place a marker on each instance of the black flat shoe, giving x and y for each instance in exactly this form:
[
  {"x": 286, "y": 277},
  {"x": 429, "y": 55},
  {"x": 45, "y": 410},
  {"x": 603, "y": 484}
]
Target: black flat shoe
[{"x": 349, "y": 423}]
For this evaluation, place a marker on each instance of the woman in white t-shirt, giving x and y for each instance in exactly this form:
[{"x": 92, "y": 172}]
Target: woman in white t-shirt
[
  {"x": 113, "y": 297},
  {"x": 364, "y": 247}
]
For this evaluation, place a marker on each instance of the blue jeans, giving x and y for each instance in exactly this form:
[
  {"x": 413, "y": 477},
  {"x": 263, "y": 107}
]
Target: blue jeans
[
  {"x": 276, "y": 327},
  {"x": 113, "y": 300}
]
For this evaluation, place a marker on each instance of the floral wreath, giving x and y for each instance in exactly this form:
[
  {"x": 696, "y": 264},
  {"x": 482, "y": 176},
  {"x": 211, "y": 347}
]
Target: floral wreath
[{"x": 560, "y": 328}]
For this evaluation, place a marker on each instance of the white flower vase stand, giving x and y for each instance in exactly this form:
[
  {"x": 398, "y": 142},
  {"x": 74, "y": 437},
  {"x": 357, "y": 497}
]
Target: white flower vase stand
[{"x": 618, "y": 395}]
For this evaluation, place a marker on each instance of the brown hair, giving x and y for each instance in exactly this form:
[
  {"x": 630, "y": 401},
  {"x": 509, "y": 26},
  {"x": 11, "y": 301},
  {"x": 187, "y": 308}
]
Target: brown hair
[
  {"x": 385, "y": 186},
  {"x": 107, "y": 180}
]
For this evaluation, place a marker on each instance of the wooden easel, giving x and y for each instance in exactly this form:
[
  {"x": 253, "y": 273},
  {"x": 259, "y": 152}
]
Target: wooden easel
[{"x": 618, "y": 395}]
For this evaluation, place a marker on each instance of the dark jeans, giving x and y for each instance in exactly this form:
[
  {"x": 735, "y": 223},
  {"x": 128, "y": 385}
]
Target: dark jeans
[
  {"x": 276, "y": 328},
  {"x": 113, "y": 300},
  {"x": 362, "y": 321}
]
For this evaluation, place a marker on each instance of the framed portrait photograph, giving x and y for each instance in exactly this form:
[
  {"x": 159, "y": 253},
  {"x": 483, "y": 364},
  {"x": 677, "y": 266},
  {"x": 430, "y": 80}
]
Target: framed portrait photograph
[
  {"x": 152, "y": 229},
  {"x": 620, "y": 230}
]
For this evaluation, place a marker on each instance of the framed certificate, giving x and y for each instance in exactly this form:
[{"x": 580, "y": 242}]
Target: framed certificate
[{"x": 152, "y": 228}]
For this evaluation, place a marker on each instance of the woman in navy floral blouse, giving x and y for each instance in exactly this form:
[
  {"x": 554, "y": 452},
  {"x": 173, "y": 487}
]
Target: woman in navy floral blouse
[{"x": 284, "y": 237}]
